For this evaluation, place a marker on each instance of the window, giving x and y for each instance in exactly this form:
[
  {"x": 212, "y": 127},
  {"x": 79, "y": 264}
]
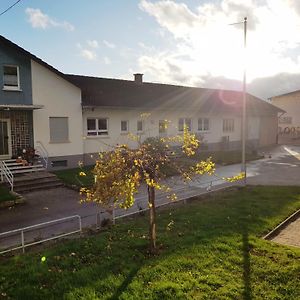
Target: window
[
  {"x": 184, "y": 122},
  {"x": 139, "y": 126},
  {"x": 59, "y": 163},
  {"x": 228, "y": 125},
  {"x": 124, "y": 126},
  {"x": 97, "y": 127},
  {"x": 285, "y": 120},
  {"x": 162, "y": 126},
  {"x": 59, "y": 129},
  {"x": 11, "y": 78},
  {"x": 203, "y": 124}
]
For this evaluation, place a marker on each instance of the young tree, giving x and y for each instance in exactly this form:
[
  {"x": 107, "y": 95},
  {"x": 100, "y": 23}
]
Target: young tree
[{"x": 120, "y": 172}]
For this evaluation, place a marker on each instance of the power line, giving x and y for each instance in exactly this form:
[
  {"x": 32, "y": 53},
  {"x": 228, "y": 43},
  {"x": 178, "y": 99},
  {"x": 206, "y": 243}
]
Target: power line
[{"x": 10, "y": 7}]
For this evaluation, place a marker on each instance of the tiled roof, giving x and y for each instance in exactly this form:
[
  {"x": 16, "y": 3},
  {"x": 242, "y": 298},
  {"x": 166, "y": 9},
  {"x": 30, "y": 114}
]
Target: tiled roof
[{"x": 103, "y": 92}]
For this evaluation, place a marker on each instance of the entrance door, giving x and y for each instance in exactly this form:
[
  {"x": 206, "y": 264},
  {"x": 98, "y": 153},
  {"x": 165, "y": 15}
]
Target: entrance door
[{"x": 5, "y": 144}]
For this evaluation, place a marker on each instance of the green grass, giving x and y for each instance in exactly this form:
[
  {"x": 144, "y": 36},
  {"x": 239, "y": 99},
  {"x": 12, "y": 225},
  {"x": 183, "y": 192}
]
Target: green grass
[
  {"x": 209, "y": 249},
  {"x": 5, "y": 195},
  {"x": 218, "y": 157},
  {"x": 228, "y": 157},
  {"x": 72, "y": 177}
]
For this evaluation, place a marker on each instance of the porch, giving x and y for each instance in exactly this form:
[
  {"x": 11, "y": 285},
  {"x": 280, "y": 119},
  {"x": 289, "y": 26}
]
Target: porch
[{"x": 16, "y": 131}]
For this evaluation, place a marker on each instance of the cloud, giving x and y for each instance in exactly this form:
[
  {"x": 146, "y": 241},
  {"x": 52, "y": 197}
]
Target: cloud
[
  {"x": 93, "y": 43},
  {"x": 106, "y": 60},
  {"x": 38, "y": 19},
  {"x": 109, "y": 44},
  {"x": 275, "y": 85},
  {"x": 88, "y": 54},
  {"x": 204, "y": 47}
]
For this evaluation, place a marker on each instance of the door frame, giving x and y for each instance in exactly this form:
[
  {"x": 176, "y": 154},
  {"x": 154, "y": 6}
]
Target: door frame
[{"x": 7, "y": 156}]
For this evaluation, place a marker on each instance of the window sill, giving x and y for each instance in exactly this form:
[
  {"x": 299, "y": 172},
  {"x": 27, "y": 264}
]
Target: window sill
[
  {"x": 92, "y": 137},
  {"x": 7, "y": 89},
  {"x": 124, "y": 133},
  {"x": 60, "y": 142}
]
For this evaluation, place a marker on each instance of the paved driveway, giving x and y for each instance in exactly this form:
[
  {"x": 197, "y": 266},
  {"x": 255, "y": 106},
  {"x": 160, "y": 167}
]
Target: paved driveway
[{"x": 280, "y": 167}]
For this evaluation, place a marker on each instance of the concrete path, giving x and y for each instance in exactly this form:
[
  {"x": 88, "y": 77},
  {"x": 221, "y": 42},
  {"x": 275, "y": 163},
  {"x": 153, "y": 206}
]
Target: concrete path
[
  {"x": 280, "y": 167},
  {"x": 290, "y": 235}
]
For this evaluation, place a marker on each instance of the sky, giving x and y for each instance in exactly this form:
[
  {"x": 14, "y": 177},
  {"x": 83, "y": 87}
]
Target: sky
[{"x": 183, "y": 42}]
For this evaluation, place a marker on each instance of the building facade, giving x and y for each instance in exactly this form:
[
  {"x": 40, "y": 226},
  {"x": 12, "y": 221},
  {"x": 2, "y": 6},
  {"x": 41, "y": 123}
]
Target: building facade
[
  {"x": 288, "y": 122},
  {"x": 71, "y": 118}
]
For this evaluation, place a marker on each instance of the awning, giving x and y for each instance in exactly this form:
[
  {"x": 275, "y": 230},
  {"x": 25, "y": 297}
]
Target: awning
[{"x": 20, "y": 107}]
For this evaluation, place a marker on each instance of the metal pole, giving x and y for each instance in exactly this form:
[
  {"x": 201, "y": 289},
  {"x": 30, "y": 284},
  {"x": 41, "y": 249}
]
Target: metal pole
[{"x": 244, "y": 124}]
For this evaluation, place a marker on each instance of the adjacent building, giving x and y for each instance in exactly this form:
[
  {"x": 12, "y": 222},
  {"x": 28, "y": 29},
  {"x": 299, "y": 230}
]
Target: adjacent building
[
  {"x": 70, "y": 118},
  {"x": 289, "y": 121}
]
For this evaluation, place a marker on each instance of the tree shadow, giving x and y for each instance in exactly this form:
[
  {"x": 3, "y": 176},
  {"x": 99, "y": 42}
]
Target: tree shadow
[
  {"x": 247, "y": 293},
  {"x": 125, "y": 283}
]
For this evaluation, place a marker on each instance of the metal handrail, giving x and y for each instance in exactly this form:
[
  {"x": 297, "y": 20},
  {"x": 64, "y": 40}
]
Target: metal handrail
[
  {"x": 43, "y": 153},
  {"x": 22, "y": 230},
  {"x": 6, "y": 172}
]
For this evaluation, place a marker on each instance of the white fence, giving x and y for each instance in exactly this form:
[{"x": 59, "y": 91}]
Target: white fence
[
  {"x": 96, "y": 219},
  {"x": 22, "y": 232}
]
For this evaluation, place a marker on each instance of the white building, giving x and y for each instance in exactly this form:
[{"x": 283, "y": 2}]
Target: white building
[
  {"x": 72, "y": 117},
  {"x": 288, "y": 122}
]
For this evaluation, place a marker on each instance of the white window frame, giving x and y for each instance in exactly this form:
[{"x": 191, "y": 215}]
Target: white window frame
[
  {"x": 137, "y": 126},
  {"x": 12, "y": 88},
  {"x": 98, "y": 132},
  {"x": 228, "y": 125},
  {"x": 185, "y": 123},
  {"x": 202, "y": 122},
  {"x": 127, "y": 126}
]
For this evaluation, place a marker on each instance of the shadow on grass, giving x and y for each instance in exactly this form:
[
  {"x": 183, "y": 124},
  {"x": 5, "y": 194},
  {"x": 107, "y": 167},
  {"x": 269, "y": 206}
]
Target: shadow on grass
[
  {"x": 125, "y": 283},
  {"x": 247, "y": 294}
]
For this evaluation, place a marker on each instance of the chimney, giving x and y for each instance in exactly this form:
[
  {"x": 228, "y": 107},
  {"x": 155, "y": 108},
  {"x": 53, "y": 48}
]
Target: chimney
[{"x": 138, "y": 78}]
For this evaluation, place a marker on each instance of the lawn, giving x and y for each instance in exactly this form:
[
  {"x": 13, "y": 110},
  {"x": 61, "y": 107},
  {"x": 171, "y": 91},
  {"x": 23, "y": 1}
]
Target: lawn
[
  {"x": 209, "y": 249},
  {"x": 5, "y": 195},
  {"x": 72, "y": 177}
]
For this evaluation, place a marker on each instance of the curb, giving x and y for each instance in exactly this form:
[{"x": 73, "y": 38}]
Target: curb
[{"x": 282, "y": 225}]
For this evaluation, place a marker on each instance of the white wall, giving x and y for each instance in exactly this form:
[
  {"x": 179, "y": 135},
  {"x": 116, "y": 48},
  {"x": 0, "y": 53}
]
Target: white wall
[
  {"x": 291, "y": 104},
  {"x": 60, "y": 99},
  {"x": 94, "y": 144}
]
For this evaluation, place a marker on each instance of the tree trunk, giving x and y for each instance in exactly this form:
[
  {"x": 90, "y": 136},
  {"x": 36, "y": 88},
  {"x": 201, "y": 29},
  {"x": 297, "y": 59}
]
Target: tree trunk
[{"x": 152, "y": 213}]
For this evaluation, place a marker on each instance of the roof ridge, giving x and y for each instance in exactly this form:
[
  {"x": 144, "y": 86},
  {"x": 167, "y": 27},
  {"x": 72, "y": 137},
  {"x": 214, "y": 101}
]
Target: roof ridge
[{"x": 157, "y": 83}]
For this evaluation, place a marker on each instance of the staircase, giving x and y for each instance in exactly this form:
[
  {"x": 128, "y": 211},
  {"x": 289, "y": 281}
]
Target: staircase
[
  {"x": 35, "y": 181},
  {"x": 28, "y": 178},
  {"x": 19, "y": 168}
]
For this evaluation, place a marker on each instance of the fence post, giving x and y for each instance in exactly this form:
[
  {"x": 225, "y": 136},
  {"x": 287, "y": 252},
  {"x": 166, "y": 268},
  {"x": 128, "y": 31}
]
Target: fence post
[
  {"x": 22, "y": 241},
  {"x": 80, "y": 225}
]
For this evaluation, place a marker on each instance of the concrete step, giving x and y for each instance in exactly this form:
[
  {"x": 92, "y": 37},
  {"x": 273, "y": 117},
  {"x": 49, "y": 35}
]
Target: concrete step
[
  {"x": 27, "y": 177},
  {"x": 26, "y": 169},
  {"x": 18, "y": 167},
  {"x": 29, "y": 182},
  {"x": 37, "y": 187},
  {"x": 13, "y": 163},
  {"x": 34, "y": 182}
]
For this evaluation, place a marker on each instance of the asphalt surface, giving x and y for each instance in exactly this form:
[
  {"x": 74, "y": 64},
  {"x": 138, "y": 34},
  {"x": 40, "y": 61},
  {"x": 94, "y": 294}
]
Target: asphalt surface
[{"x": 281, "y": 166}]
